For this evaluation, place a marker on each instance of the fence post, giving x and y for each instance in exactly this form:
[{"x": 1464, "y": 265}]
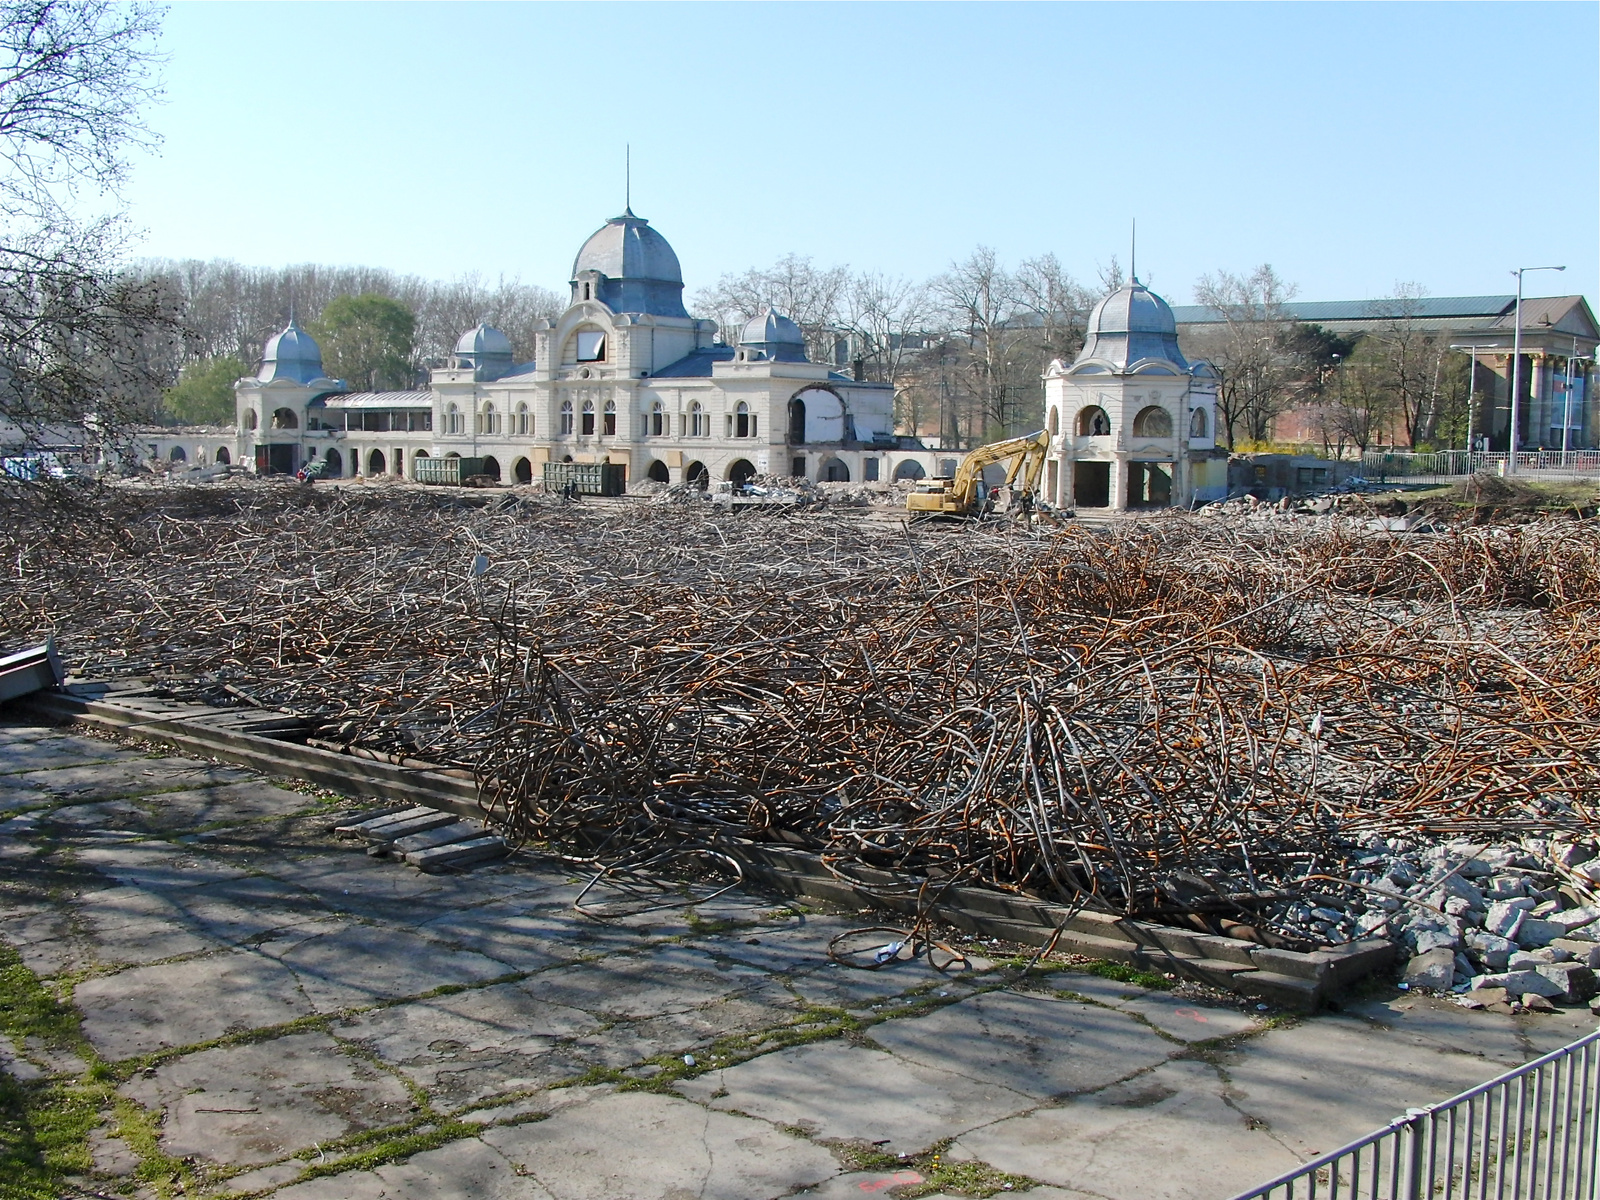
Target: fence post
[{"x": 1409, "y": 1174}]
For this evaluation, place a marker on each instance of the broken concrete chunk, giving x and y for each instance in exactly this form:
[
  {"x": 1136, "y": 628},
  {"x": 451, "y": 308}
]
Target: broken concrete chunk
[
  {"x": 1534, "y": 1002},
  {"x": 1534, "y": 932},
  {"x": 1504, "y": 916},
  {"x": 1492, "y": 951},
  {"x": 1432, "y": 969},
  {"x": 1577, "y": 983},
  {"x": 1482, "y": 997},
  {"x": 1587, "y": 953},
  {"x": 1575, "y": 918},
  {"x": 1519, "y": 982}
]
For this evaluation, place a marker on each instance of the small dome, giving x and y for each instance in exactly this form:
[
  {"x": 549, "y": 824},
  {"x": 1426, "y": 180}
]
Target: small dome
[
  {"x": 771, "y": 328},
  {"x": 485, "y": 351},
  {"x": 292, "y": 354},
  {"x": 1132, "y": 309},
  {"x": 485, "y": 339},
  {"x": 1130, "y": 326}
]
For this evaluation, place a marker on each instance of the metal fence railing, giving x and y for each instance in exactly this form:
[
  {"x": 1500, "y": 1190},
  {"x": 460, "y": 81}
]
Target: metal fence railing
[
  {"x": 1530, "y": 1134},
  {"x": 1380, "y": 464}
]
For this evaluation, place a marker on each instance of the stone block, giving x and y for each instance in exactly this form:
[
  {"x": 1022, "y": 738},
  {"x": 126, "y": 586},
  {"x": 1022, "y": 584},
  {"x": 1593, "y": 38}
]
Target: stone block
[
  {"x": 1490, "y": 949},
  {"x": 1432, "y": 969},
  {"x": 1522, "y": 982},
  {"x": 1585, "y": 952},
  {"x": 1504, "y": 916},
  {"x": 1574, "y": 918},
  {"x": 1534, "y": 932},
  {"x": 1577, "y": 983}
]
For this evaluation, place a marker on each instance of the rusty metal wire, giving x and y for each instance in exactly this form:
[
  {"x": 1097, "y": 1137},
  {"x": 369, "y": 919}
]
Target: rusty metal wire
[{"x": 1180, "y": 719}]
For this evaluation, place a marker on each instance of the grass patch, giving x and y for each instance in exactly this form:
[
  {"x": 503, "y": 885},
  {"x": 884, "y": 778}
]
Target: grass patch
[
  {"x": 1123, "y": 973},
  {"x": 859, "y": 1155},
  {"x": 392, "y": 1149},
  {"x": 968, "y": 1177}
]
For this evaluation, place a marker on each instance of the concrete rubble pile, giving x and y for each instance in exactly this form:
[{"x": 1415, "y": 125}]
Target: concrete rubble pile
[{"x": 1269, "y": 733}]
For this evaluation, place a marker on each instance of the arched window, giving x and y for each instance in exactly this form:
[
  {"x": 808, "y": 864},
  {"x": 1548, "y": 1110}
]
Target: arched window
[
  {"x": 490, "y": 420},
  {"x": 524, "y": 421},
  {"x": 452, "y": 418},
  {"x": 909, "y": 469},
  {"x": 566, "y": 418},
  {"x": 375, "y": 463},
  {"x": 1198, "y": 425},
  {"x": 522, "y": 470},
  {"x": 1055, "y": 420},
  {"x": 740, "y": 470},
  {"x": 224, "y": 457},
  {"x": 176, "y": 454},
  {"x": 658, "y": 419},
  {"x": 587, "y": 428},
  {"x": 1093, "y": 422},
  {"x": 797, "y": 421},
  {"x": 696, "y": 475},
  {"x": 608, "y": 423},
  {"x": 284, "y": 418},
  {"x": 835, "y": 471},
  {"x": 741, "y": 419},
  {"x": 491, "y": 468},
  {"x": 1153, "y": 421},
  {"x": 250, "y": 418},
  {"x": 698, "y": 425},
  {"x": 333, "y": 463}
]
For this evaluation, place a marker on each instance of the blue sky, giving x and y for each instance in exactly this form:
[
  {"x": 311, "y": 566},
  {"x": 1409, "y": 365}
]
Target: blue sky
[{"x": 1350, "y": 145}]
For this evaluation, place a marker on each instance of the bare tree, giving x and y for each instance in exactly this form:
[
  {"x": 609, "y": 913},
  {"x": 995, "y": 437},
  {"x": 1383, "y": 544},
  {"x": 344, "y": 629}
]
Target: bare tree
[
  {"x": 83, "y": 349},
  {"x": 812, "y": 298},
  {"x": 1250, "y": 349},
  {"x": 983, "y": 305},
  {"x": 1410, "y": 358}
]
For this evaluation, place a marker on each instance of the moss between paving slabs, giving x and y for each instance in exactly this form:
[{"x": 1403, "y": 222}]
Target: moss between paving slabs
[
  {"x": 967, "y": 1177},
  {"x": 45, "y": 1123}
]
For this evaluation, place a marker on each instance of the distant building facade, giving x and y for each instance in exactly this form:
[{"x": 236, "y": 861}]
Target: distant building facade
[
  {"x": 625, "y": 375},
  {"x": 1556, "y": 380}
]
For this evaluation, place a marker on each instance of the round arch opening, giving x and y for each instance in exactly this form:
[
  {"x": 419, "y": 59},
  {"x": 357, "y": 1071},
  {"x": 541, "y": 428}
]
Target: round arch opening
[
  {"x": 376, "y": 463},
  {"x": 740, "y": 471},
  {"x": 835, "y": 470},
  {"x": 1093, "y": 422},
  {"x": 223, "y": 457},
  {"x": 491, "y": 467},
  {"x": 333, "y": 463},
  {"x": 522, "y": 471},
  {"x": 910, "y": 469},
  {"x": 284, "y": 418},
  {"x": 658, "y": 471},
  {"x": 1153, "y": 421},
  {"x": 177, "y": 454},
  {"x": 696, "y": 475}
]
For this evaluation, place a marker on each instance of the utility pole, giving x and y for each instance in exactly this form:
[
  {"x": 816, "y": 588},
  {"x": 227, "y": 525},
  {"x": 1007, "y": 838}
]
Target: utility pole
[{"x": 1516, "y": 370}]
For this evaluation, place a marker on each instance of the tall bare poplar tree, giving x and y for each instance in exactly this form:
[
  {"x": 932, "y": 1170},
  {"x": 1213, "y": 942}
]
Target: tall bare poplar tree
[{"x": 1250, "y": 349}]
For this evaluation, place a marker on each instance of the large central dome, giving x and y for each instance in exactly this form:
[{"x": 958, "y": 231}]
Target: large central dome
[{"x": 640, "y": 269}]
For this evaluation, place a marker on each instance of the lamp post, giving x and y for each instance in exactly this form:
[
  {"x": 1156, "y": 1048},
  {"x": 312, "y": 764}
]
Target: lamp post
[
  {"x": 1516, "y": 369},
  {"x": 1472, "y": 391}
]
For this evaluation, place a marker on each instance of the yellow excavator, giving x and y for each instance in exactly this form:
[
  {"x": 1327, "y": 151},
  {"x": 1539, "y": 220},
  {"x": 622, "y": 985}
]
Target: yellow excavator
[{"x": 968, "y": 496}]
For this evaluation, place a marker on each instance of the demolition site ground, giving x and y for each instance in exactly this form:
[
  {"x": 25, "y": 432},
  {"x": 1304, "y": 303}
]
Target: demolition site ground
[{"x": 1271, "y": 733}]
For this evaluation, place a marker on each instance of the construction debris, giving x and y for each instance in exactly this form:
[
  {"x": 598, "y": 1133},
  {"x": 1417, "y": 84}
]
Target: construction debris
[
  {"x": 1245, "y": 729},
  {"x": 26, "y": 671}
]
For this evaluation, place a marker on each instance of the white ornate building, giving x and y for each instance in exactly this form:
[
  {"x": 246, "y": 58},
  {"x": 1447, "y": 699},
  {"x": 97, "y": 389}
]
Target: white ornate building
[
  {"x": 625, "y": 375},
  {"x": 1132, "y": 422}
]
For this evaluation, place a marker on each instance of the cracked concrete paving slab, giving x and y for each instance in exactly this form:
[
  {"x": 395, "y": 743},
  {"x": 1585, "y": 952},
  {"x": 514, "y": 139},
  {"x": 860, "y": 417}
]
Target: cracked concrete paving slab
[
  {"x": 234, "y": 803},
  {"x": 131, "y": 925},
  {"x": 23, "y": 754},
  {"x": 1094, "y": 987},
  {"x": 838, "y": 1090},
  {"x": 674, "y": 1033},
  {"x": 666, "y": 979},
  {"x": 1189, "y": 1021},
  {"x": 158, "y": 1007},
  {"x": 1301, "y": 1081},
  {"x": 471, "y": 1045},
  {"x": 843, "y": 987},
  {"x": 345, "y": 965},
  {"x": 125, "y": 775},
  {"x": 464, "y": 1170},
  {"x": 528, "y": 938},
  {"x": 1042, "y": 1045},
  {"x": 1430, "y": 1022},
  {"x": 639, "y": 1146},
  {"x": 1166, "y": 1135},
  {"x": 261, "y": 1102},
  {"x": 154, "y": 864}
]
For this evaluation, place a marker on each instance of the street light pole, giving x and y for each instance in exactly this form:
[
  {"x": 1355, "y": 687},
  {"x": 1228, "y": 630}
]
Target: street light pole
[{"x": 1516, "y": 369}]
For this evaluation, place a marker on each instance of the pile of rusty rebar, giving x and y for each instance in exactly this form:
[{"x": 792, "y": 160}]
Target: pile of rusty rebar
[{"x": 1169, "y": 716}]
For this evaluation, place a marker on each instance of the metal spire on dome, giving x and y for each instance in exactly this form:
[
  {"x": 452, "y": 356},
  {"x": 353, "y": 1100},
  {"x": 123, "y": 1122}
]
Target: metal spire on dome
[
  {"x": 1133, "y": 253},
  {"x": 627, "y": 179}
]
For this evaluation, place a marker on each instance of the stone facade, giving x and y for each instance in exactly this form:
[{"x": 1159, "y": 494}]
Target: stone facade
[{"x": 624, "y": 376}]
